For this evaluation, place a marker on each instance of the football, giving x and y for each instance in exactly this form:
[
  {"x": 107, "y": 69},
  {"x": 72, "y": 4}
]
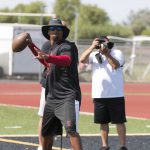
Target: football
[{"x": 19, "y": 43}]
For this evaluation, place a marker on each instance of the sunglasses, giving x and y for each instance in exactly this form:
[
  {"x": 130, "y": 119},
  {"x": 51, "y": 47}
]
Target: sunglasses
[{"x": 55, "y": 28}]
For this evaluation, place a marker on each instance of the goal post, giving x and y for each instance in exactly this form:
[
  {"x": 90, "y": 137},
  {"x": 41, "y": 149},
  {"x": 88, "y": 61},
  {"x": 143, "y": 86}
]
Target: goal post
[
  {"x": 41, "y": 15},
  {"x": 137, "y": 63}
]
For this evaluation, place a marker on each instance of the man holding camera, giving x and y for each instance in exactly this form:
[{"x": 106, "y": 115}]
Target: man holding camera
[{"x": 107, "y": 88}]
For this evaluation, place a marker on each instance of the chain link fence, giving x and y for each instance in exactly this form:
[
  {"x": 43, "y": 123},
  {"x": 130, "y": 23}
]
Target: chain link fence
[{"x": 137, "y": 59}]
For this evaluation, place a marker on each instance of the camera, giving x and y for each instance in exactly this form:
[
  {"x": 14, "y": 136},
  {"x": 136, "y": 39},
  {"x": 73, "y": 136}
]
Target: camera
[{"x": 109, "y": 45}]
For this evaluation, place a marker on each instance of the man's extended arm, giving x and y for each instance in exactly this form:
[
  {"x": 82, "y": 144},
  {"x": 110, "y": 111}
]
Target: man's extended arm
[
  {"x": 85, "y": 55},
  {"x": 34, "y": 49}
]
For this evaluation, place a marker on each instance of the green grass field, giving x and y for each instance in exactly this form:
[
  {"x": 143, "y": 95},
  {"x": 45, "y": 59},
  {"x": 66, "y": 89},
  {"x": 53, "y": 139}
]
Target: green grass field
[{"x": 21, "y": 120}]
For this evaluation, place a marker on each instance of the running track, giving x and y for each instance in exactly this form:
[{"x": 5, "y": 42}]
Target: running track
[{"x": 25, "y": 93}]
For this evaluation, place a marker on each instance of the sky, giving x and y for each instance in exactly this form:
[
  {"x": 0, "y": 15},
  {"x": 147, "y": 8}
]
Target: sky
[{"x": 117, "y": 10}]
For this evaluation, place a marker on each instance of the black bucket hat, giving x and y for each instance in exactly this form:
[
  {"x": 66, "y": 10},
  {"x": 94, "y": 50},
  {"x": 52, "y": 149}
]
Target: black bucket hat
[{"x": 52, "y": 23}]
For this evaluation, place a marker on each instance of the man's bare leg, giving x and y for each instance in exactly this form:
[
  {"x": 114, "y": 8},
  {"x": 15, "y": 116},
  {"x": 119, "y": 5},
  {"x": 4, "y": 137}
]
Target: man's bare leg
[
  {"x": 75, "y": 141},
  {"x": 104, "y": 129},
  {"x": 121, "y": 129},
  {"x": 47, "y": 143}
]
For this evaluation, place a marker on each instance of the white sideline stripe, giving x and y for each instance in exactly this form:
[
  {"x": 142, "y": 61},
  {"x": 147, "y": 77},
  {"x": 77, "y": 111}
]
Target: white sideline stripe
[
  {"x": 138, "y": 118},
  {"x": 88, "y": 113},
  {"x": 18, "y": 106},
  {"x": 128, "y": 134},
  {"x": 112, "y": 126},
  {"x": 84, "y": 113},
  {"x": 64, "y": 135}
]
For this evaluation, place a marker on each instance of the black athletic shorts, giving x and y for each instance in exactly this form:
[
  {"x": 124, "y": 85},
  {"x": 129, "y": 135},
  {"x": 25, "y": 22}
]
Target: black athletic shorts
[
  {"x": 109, "y": 110},
  {"x": 58, "y": 115}
]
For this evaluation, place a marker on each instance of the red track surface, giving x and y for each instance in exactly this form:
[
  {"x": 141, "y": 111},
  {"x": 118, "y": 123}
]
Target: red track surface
[{"x": 28, "y": 93}]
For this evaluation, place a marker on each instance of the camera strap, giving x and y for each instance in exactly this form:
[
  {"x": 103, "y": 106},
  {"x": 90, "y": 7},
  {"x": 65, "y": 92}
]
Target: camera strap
[{"x": 98, "y": 57}]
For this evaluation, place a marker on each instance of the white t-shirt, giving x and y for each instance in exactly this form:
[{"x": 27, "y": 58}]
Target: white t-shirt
[{"x": 107, "y": 82}]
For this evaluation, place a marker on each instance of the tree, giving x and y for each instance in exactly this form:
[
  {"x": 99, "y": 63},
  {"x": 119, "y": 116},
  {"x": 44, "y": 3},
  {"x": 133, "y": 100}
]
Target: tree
[
  {"x": 139, "y": 21},
  {"x": 7, "y": 19},
  {"x": 66, "y": 10},
  {"x": 88, "y": 15},
  {"x": 146, "y": 31},
  {"x": 90, "y": 19},
  {"x": 88, "y": 31},
  {"x": 94, "y": 21},
  {"x": 93, "y": 15},
  {"x": 35, "y": 7}
]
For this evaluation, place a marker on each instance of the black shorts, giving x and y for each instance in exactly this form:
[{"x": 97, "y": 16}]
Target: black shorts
[
  {"x": 109, "y": 110},
  {"x": 58, "y": 115}
]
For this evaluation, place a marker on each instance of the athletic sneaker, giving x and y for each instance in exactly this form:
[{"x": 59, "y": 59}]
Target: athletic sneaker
[
  {"x": 123, "y": 148},
  {"x": 104, "y": 148},
  {"x": 39, "y": 148}
]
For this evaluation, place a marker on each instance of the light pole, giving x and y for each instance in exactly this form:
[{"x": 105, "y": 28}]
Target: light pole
[
  {"x": 41, "y": 17},
  {"x": 76, "y": 25},
  {"x": 76, "y": 15}
]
